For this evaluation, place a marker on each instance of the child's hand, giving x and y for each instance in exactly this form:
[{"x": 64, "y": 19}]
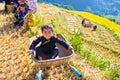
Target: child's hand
[
  {"x": 29, "y": 20},
  {"x": 31, "y": 51},
  {"x": 70, "y": 48}
]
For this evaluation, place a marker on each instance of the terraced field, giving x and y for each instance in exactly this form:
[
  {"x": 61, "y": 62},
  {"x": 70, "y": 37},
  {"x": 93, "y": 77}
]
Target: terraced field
[{"x": 16, "y": 63}]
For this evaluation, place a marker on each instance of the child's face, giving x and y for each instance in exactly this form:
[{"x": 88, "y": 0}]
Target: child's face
[
  {"x": 22, "y": 8},
  {"x": 30, "y": 11},
  {"x": 47, "y": 33}
]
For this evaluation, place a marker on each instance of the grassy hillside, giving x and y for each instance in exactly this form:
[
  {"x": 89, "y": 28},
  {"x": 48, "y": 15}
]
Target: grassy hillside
[
  {"x": 99, "y": 20},
  {"x": 97, "y": 52}
]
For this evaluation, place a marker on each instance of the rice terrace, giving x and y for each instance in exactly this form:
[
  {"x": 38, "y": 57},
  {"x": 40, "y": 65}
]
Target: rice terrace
[{"x": 96, "y": 52}]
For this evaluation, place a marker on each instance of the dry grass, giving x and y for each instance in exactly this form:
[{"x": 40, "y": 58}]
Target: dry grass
[{"x": 15, "y": 61}]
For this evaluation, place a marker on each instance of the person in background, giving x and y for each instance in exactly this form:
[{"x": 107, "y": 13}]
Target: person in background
[
  {"x": 7, "y": 2},
  {"x": 16, "y": 5},
  {"x": 47, "y": 45},
  {"x": 94, "y": 27},
  {"x": 29, "y": 19},
  {"x": 24, "y": 2},
  {"x": 83, "y": 21},
  {"x": 20, "y": 14}
]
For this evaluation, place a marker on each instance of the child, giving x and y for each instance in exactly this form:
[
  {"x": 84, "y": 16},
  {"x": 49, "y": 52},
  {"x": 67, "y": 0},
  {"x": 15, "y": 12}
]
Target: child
[
  {"x": 24, "y": 2},
  {"x": 29, "y": 19},
  {"x": 48, "y": 41},
  {"x": 16, "y": 5},
  {"x": 20, "y": 13},
  {"x": 7, "y": 2}
]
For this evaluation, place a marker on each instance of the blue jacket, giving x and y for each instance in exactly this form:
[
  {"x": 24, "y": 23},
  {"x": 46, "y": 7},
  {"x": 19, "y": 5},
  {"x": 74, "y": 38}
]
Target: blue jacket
[
  {"x": 22, "y": 14},
  {"x": 48, "y": 45},
  {"x": 1, "y": 0},
  {"x": 16, "y": 1}
]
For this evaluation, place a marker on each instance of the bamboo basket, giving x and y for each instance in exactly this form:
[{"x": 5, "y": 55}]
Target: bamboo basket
[{"x": 62, "y": 58}]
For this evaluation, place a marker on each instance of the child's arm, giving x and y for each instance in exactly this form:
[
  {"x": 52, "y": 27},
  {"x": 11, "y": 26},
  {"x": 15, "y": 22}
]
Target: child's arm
[
  {"x": 63, "y": 43},
  {"x": 34, "y": 43}
]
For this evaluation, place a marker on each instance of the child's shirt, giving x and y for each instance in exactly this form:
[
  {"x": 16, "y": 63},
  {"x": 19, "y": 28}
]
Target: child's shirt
[
  {"x": 48, "y": 45},
  {"x": 31, "y": 19},
  {"x": 22, "y": 14},
  {"x": 16, "y": 1}
]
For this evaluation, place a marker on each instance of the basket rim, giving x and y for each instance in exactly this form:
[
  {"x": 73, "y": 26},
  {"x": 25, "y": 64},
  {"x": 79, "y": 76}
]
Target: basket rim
[{"x": 50, "y": 60}]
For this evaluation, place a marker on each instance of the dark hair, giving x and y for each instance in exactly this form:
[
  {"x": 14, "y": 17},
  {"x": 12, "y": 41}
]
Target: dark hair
[
  {"x": 47, "y": 26},
  {"x": 29, "y": 9},
  {"x": 22, "y": 5}
]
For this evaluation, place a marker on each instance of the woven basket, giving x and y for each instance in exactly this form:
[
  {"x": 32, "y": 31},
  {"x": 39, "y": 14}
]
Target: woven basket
[{"x": 62, "y": 58}]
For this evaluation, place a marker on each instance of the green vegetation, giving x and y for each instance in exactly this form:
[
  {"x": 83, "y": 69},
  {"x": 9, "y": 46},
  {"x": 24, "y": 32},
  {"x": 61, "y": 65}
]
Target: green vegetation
[
  {"x": 115, "y": 34},
  {"x": 33, "y": 31},
  {"x": 110, "y": 70},
  {"x": 63, "y": 6},
  {"x": 69, "y": 7},
  {"x": 62, "y": 21},
  {"x": 53, "y": 23},
  {"x": 115, "y": 19},
  {"x": 76, "y": 42},
  {"x": 109, "y": 7},
  {"x": 109, "y": 67},
  {"x": 94, "y": 58},
  {"x": 40, "y": 0},
  {"x": 100, "y": 35},
  {"x": 39, "y": 21}
]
